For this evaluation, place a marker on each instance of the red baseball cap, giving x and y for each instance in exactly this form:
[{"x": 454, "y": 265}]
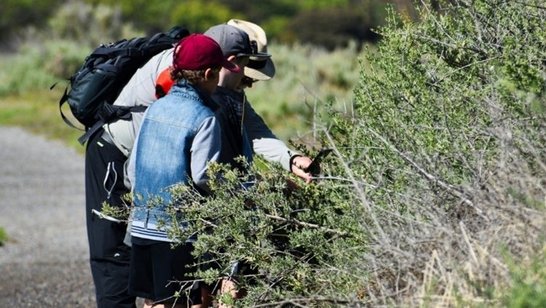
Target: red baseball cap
[{"x": 197, "y": 52}]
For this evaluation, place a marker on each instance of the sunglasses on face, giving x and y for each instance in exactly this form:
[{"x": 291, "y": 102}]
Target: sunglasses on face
[{"x": 247, "y": 81}]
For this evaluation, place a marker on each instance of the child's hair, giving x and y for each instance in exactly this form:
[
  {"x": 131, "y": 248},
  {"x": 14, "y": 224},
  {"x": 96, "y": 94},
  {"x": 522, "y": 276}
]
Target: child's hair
[{"x": 193, "y": 77}]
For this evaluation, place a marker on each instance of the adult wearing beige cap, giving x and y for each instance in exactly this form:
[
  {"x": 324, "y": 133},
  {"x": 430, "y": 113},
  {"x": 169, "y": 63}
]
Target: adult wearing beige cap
[
  {"x": 257, "y": 68},
  {"x": 244, "y": 131}
]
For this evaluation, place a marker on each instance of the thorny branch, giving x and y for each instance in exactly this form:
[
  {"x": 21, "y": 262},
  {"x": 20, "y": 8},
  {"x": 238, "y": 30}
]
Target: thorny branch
[{"x": 434, "y": 179}]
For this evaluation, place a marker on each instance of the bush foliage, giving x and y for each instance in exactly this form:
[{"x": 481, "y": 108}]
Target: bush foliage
[
  {"x": 3, "y": 237},
  {"x": 436, "y": 185}
]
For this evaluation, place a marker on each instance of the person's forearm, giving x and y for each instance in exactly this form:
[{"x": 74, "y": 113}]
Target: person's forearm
[
  {"x": 274, "y": 150},
  {"x": 264, "y": 142}
]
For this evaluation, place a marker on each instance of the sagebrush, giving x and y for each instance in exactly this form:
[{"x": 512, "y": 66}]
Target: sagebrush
[{"x": 437, "y": 182}]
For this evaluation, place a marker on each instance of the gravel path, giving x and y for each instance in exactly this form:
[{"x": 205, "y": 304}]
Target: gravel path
[{"x": 45, "y": 262}]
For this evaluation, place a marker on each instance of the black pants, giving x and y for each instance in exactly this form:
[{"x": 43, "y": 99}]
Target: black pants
[{"x": 109, "y": 256}]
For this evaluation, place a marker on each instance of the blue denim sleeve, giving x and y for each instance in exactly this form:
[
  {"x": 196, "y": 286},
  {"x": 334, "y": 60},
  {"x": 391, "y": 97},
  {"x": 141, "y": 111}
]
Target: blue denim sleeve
[{"x": 204, "y": 149}]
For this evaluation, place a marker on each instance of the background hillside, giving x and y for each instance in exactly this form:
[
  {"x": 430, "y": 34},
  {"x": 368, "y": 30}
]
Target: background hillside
[
  {"x": 329, "y": 23},
  {"x": 317, "y": 60}
]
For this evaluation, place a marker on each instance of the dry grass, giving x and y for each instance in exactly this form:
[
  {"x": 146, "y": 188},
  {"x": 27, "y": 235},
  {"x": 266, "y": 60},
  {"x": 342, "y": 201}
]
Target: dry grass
[{"x": 460, "y": 255}]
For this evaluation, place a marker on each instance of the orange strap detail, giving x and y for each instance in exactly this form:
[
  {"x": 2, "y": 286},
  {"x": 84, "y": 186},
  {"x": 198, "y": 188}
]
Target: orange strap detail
[{"x": 163, "y": 83}]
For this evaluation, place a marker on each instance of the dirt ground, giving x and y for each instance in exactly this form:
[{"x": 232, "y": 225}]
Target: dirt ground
[{"x": 45, "y": 261}]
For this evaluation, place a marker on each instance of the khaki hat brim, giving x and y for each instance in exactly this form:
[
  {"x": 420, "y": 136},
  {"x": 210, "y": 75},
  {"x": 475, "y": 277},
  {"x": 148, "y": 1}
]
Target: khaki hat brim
[{"x": 264, "y": 73}]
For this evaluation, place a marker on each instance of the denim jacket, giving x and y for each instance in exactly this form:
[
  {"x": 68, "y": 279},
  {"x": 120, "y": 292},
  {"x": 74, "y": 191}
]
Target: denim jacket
[{"x": 178, "y": 137}]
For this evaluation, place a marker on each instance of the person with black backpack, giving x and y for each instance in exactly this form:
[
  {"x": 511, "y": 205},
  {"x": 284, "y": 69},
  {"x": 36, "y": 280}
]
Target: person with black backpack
[
  {"x": 104, "y": 160},
  {"x": 109, "y": 142}
]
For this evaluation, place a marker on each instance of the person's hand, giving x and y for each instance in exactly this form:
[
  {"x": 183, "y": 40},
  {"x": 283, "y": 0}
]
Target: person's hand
[{"x": 299, "y": 165}]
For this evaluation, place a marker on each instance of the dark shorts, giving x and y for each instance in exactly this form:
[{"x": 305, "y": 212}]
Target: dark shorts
[{"x": 159, "y": 271}]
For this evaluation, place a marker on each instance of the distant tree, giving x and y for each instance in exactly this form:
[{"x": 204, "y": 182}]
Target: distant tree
[
  {"x": 152, "y": 16},
  {"x": 335, "y": 27},
  {"x": 328, "y": 23},
  {"x": 17, "y": 15},
  {"x": 275, "y": 16},
  {"x": 264, "y": 10},
  {"x": 142, "y": 13},
  {"x": 198, "y": 16}
]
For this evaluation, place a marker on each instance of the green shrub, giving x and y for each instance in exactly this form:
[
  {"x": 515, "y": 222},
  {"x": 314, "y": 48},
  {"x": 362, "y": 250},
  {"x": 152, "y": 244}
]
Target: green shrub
[
  {"x": 445, "y": 128},
  {"x": 306, "y": 78},
  {"x": 86, "y": 24},
  {"x": 25, "y": 72},
  {"x": 18, "y": 15},
  {"x": 3, "y": 237},
  {"x": 55, "y": 53},
  {"x": 528, "y": 283},
  {"x": 287, "y": 236},
  {"x": 38, "y": 66},
  {"x": 438, "y": 173},
  {"x": 148, "y": 16}
]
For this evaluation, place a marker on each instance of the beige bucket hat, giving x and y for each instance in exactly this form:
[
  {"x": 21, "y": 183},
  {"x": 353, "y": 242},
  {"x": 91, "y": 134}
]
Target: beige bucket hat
[{"x": 257, "y": 68}]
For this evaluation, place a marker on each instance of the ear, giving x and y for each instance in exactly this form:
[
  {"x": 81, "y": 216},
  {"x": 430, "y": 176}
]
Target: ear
[
  {"x": 210, "y": 74},
  {"x": 232, "y": 58}
]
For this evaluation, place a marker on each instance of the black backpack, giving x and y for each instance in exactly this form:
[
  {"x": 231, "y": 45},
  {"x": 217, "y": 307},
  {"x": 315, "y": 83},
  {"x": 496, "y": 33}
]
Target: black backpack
[{"x": 104, "y": 73}]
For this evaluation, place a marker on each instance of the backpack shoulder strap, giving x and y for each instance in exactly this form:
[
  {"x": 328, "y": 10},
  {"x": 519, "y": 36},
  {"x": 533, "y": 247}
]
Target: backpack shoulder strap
[
  {"x": 114, "y": 64},
  {"x": 119, "y": 112},
  {"x": 63, "y": 100}
]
